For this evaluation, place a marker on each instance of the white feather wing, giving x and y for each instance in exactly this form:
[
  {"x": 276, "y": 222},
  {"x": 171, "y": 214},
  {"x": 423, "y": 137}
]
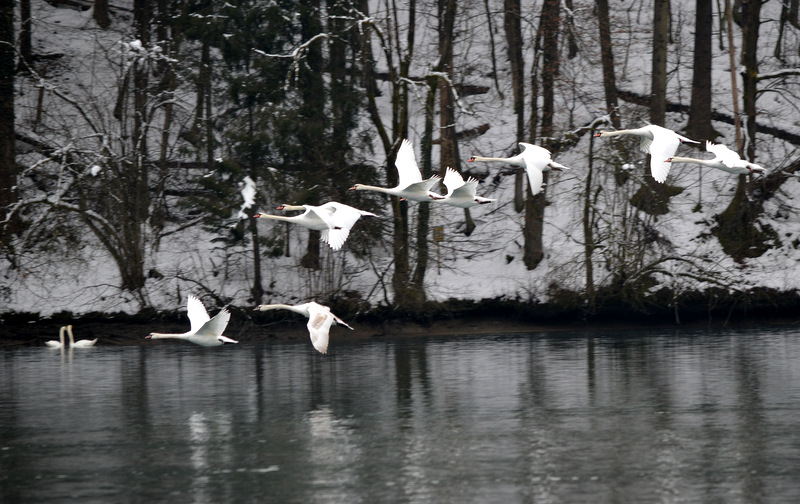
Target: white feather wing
[
  {"x": 407, "y": 170},
  {"x": 319, "y": 324},
  {"x": 197, "y": 313}
]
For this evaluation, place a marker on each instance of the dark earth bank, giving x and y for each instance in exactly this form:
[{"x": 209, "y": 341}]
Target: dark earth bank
[{"x": 566, "y": 312}]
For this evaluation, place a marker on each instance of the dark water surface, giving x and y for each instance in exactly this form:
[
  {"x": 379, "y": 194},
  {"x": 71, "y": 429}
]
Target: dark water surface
[{"x": 691, "y": 416}]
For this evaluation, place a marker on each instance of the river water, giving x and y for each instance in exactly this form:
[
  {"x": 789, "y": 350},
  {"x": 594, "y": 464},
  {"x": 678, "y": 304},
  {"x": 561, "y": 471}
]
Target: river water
[{"x": 604, "y": 416}]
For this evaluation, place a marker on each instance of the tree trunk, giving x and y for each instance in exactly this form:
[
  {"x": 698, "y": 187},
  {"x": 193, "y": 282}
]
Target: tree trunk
[
  {"x": 100, "y": 14},
  {"x": 751, "y": 13},
  {"x": 8, "y": 165},
  {"x": 652, "y": 197},
  {"x": 534, "y": 223},
  {"x": 607, "y": 61},
  {"x": 25, "y": 46},
  {"x": 588, "y": 230},
  {"x": 658, "y": 83},
  {"x": 737, "y": 232},
  {"x": 513, "y": 29},
  {"x": 312, "y": 123},
  {"x": 699, "y": 125}
]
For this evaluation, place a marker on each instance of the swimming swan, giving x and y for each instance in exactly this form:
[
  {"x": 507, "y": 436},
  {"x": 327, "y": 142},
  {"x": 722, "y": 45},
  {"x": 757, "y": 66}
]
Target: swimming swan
[
  {"x": 410, "y": 184},
  {"x": 536, "y": 160},
  {"x": 57, "y": 344},
  {"x": 204, "y": 331},
  {"x": 661, "y": 143},
  {"x": 319, "y": 317},
  {"x": 333, "y": 219},
  {"x": 724, "y": 159},
  {"x": 84, "y": 343}
]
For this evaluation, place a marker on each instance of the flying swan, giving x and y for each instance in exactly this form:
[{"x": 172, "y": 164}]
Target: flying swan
[
  {"x": 57, "y": 344},
  {"x": 204, "y": 331},
  {"x": 661, "y": 143},
  {"x": 410, "y": 184},
  {"x": 461, "y": 193},
  {"x": 84, "y": 343},
  {"x": 724, "y": 159},
  {"x": 319, "y": 317},
  {"x": 333, "y": 219},
  {"x": 536, "y": 160}
]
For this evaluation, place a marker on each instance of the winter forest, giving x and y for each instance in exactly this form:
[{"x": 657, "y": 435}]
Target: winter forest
[{"x": 139, "y": 138}]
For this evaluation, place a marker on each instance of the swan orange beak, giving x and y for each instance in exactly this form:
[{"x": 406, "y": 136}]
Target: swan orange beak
[
  {"x": 597, "y": 134},
  {"x": 148, "y": 336},
  {"x": 668, "y": 160},
  {"x": 281, "y": 207},
  {"x": 256, "y": 216},
  {"x": 471, "y": 159},
  {"x": 352, "y": 188}
]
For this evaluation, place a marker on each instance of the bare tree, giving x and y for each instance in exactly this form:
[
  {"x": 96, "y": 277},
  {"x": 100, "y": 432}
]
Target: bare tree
[
  {"x": 8, "y": 164},
  {"x": 534, "y": 222},
  {"x": 101, "y": 15},
  {"x": 513, "y": 28},
  {"x": 699, "y": 125},
  {"x": 607, "y": 61}
]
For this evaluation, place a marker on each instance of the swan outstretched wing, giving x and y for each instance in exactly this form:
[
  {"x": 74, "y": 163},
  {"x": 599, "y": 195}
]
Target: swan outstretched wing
[
  {"x": 422, "y": 188},
  {"x": 197, "y": 313},
  {"x": 724, "y": 155},
  {"x": 535, "y": 179},
  {"x": 452, "y": 180},
  {"x": 407, "y": 170},
  {"x": 340, "y": 218},
  {"x": 316, "y": 217},
  {"x": 341, "y": 322},
  {"x": 216, "y": 326},
  {"x": 319, "y": 324},
  {"x": 335, "y": 237},
  {"x": 664, "y": 145}
]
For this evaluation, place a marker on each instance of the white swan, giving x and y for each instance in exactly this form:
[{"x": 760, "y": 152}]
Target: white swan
[
  {"x": 319, "y": 324},
  {"x": 333, "y": 219},
  {"x": 461, "y": 193},
  {"x": 57, "y": 344},
  {"x": 724, "y": 159},
  {"x": 410, "y": 184},
  {"x": 661, "y": 143},
  {"x": 536, "y": 160},
  {"x": 204, "y": 330},
  {"x": 84, "y": 343}
]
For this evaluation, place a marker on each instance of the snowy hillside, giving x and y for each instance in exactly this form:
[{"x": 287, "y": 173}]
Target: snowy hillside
[{"x": 681, "y": 253}]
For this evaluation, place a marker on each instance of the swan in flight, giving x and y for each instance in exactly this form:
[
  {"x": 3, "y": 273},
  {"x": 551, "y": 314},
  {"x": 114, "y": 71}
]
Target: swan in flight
[
  {"x": 410, "y": 184},
  {"x": 320, "y": 320},
  {"x": 661, "y": 143},
  {"x": 724, "y": 159},
  {"x": 57, "y": 344},
  {"x": 204, "y": 330},
  {"x": 333, "y": 219},
  {"x": 84, "y": 343},
  {"x": 461, "y": 193},
  {"x": 536, "y": 160}
]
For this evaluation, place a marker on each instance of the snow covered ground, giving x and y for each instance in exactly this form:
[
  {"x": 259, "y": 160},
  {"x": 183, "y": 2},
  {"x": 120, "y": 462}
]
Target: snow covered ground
[{"x": 487, "y": 264}]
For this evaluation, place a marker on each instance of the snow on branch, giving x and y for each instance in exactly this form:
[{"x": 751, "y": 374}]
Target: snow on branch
[
  {"x": 778, "y": 73},
  {"x": 297, "y": 56}
]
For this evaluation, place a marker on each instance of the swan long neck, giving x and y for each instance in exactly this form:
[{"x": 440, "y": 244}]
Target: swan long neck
[
  {"x": 365, "y": 187},
  {"x": 511, "y": 160},
  {"x": 61, "y": 334},
  {"x": 706, "y": 162},
  {"x": 276, "y": 217},
  {"x": 614, "y": 133},
  {"x": 279, "y": 306},
  {"x": 293, "y": 207},
  {"x": 156, "y": 335},
  {"x": 71, "y": 337}
]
